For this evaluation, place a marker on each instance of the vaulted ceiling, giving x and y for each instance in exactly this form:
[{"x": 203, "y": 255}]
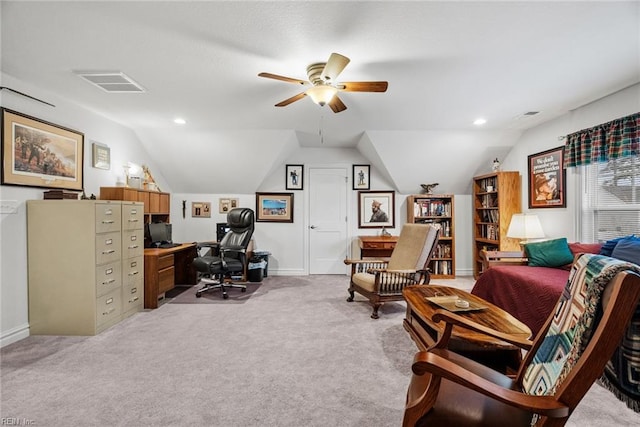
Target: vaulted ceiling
[{"x": 447, "y": 63}]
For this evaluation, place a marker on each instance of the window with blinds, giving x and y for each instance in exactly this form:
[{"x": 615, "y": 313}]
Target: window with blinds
[{"x": 610, "y": 199}]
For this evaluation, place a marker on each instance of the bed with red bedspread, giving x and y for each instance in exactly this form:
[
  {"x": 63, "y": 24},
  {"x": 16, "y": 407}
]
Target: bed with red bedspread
[{"x": 528, "y": 293}]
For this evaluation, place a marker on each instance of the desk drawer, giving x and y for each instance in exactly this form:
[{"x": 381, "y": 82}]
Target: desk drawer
[
  {"x": 165, "y": 261},
  {"x": 108, "y": 278},
  {"x": 166, "y": 279}
]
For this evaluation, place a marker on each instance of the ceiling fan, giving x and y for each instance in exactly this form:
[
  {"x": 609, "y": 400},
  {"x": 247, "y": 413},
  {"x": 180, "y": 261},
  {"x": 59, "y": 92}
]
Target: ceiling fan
[{"x": 324, "y": 88}]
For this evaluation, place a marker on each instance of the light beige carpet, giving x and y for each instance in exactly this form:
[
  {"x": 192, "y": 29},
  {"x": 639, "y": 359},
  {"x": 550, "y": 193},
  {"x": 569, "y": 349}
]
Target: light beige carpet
[{"x": 294, "y": 354}]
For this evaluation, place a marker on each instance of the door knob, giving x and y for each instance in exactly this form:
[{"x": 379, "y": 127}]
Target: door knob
[{"x": 313, "y": 227}]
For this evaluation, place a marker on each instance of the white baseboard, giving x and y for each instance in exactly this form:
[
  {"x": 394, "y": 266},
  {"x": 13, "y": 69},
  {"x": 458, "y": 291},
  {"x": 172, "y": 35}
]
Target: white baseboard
[
  {"x": 286, "y": 272},
  {"x": 16, "y": 334}
]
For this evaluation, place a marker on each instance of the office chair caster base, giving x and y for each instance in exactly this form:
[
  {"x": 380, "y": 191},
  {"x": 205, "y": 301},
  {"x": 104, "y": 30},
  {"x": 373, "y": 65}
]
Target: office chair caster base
[
  {"x": 225, "y": 296},
  {"x": 243, "y": 290},
  {"x": 198, "y": 294}
]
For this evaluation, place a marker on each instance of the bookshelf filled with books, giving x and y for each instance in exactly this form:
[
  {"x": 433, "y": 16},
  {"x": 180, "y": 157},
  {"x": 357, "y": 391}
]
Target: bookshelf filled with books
[
  {"x": 436, "y": 209},
  {"x": 496, "y": 197}
]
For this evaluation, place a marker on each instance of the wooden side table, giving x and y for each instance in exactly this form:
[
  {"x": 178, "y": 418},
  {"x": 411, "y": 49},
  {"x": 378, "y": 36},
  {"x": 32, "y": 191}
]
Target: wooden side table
[
  {"x": 487, "y": 350},
  {"x": 376, "y": 246}
]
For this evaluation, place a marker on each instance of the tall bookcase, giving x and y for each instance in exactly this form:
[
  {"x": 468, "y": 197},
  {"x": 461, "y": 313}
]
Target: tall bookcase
[
  {"x": 496, "y": 197},
  {"x": 437, "y": 209}
]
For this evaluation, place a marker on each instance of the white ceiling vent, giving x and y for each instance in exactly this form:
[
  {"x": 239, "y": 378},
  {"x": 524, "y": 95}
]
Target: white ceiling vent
[
  {"x": 111, "y": 81},
  {"x": 526, "y": 115}
]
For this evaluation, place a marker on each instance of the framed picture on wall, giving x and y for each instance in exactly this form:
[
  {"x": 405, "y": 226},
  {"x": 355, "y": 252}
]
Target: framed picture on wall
[
  {"x": 274, "y": 207},
  {"x": 376, "y": 209},
  {"x": 361, "y": 177},
  {"x": 101, "y": 156},
  {"x": 547, "y": 179},
  {"x": 294, "y": 177},
  {"x": 36, "y": 153},
  {"x": 201, "y": 209}
]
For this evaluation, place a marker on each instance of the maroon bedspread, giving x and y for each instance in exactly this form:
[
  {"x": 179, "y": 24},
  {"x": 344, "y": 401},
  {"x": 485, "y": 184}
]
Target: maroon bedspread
[{"x": 528, "y": 293}]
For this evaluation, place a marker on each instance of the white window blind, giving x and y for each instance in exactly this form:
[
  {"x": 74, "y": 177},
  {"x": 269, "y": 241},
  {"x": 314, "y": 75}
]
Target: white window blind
[{"x": 610, "y": 199}]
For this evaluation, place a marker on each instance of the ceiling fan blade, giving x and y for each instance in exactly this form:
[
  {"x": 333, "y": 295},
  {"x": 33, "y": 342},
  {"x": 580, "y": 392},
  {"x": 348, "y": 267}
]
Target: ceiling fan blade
[
  {"x": 337, "y": 105},
  {"x": 363, "y": 86},
  {"x": 334, "y": 66},
  {"x": 283, "y": 78},
  {"x": 291, "y": 100}
]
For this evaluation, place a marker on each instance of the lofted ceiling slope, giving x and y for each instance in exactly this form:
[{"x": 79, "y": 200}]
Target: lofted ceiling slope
[{"x": 447, "y": 63}]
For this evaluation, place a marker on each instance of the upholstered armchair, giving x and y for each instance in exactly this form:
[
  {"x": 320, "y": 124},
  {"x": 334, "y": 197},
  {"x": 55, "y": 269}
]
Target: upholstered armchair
[
  {"x": 560, "y": 365},
  {"x": 380, "y": 281}
]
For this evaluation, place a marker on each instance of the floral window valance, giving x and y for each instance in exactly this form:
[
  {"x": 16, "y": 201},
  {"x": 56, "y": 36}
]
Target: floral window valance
[{"x": 617, "y": 138}]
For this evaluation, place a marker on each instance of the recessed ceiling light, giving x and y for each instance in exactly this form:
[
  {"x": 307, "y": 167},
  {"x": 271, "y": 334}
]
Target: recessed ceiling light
[
  {"x": 179, "y": 121},
  {"x": 479, "y": 121}
]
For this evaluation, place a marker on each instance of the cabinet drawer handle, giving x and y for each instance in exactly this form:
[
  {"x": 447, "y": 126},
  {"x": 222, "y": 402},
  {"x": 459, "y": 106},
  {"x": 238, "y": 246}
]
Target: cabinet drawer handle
[
  {"x": 108, "y": 282},
  {"x": 110, "y": 251},
  {"x": 109, "y": 221},
  {"x": 134, "y": 246},
  {"x": 106, "y": 313},
  {"x": 134, "y": 299},
  {"x": 133, "y": 220},
  {"x": 133, "y": 273}
]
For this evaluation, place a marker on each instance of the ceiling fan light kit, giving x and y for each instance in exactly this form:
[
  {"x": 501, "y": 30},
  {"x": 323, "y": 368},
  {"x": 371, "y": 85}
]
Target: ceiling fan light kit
[
  {"x": 322, "y": 76},
  {"x": 322, "y": 94}
]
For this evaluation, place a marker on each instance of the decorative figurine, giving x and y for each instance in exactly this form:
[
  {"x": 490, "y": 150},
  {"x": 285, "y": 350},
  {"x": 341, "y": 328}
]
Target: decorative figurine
[
  {"x": 496, "y": 165},
  {"x": 428, "y": 188}
]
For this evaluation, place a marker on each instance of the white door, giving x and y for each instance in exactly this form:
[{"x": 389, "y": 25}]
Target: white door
[{"x": 327, "y": 220}]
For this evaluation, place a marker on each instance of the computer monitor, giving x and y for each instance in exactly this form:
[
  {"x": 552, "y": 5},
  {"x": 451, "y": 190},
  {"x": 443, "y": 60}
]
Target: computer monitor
[
  {"x": 222, "y": 228},
  {"x": 159, "y": 232}
]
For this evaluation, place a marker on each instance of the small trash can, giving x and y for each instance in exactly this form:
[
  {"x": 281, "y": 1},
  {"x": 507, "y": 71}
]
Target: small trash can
[
  {"x": 255, "y": 269},
  {"x": 262, "y": 256}
]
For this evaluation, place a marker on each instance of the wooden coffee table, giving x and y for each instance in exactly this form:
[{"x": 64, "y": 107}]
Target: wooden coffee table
[{"x": 487, "y": 350}]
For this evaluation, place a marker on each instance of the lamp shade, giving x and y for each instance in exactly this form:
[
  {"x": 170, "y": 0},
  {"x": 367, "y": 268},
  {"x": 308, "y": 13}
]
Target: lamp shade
[
  {"x": 525, "y": 226},
  {"x": 322, "y": 94}
]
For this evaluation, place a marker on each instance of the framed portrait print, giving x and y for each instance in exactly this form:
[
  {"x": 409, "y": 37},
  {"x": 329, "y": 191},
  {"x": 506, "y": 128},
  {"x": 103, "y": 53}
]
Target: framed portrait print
[
  {"x": 101, "y": 156},
  {"x": 376, "y": 209},
  {"x": 225, "y": 205},
  {"x": 201, "y": 209},
  {"x": 36, "y": 153},
  {"x": 361, "y": 177},
  {"x": 547, "y": 179},
  {"x": 294, "y": 177},
  {"x": 274, "y": 207}
]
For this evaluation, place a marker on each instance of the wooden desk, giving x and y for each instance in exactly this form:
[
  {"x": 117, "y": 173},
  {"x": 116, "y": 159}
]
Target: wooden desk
[
  {"x": 376, "y": 246},
  {"x": 487, "y": 350},
  {"x": 163, "y": 268}
]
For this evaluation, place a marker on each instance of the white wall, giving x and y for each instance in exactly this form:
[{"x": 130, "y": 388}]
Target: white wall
[
  {"x": 562, "y": 222},
  {"x": 13, "y": 244},
  {"x": 285, "y": 241}
]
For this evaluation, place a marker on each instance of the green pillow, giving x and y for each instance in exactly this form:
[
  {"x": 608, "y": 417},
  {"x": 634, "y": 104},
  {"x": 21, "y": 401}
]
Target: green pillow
[{"x": 549, "y": 253}]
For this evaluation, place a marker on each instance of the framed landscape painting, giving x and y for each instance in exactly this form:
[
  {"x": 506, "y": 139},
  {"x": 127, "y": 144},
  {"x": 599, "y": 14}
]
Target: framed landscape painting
[
  {"x": 36, "y": 153},
  {"x": 376, "y": 209},
  {"x": 274, "y": 207},
  {"x": 547, "y": 178}
]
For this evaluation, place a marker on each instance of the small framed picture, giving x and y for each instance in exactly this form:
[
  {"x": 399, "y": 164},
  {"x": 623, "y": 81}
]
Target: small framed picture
[
  {"x": 101, "y": 156},
  {"x": 361, "y": 177},
  {"x": 274, "y": 207},
  {"x": 547, "y": 178},
  {"x": 225, "y": 205},
  {"x": 294, "y": 177},
  {"x": 201, "y": 209},
  {"x": 376, "y": 209}
]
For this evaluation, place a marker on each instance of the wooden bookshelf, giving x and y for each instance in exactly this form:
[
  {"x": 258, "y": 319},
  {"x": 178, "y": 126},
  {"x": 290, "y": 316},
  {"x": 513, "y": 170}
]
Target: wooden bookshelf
[
  {"x": 437, "y": 209},
  {"x": 496, "y": 197}
]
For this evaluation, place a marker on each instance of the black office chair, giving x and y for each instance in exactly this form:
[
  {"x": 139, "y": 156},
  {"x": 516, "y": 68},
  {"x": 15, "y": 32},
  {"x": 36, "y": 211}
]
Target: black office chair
[{"x": 216, "y": 271}]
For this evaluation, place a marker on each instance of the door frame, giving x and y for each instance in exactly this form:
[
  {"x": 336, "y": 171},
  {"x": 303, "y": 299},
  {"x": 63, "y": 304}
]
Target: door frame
[{"x": 307, "y": 208}]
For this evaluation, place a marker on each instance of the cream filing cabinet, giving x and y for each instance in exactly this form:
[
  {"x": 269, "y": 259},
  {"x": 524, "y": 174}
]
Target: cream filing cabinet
[{"x": 86, "y": 269}]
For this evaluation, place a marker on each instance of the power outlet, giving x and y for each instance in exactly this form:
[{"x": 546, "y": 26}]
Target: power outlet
[{"x": 8, "y": 206}]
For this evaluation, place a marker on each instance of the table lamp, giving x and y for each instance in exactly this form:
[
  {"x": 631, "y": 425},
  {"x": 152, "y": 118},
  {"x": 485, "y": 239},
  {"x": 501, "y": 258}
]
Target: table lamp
[{"x": 525, "y": 227}]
